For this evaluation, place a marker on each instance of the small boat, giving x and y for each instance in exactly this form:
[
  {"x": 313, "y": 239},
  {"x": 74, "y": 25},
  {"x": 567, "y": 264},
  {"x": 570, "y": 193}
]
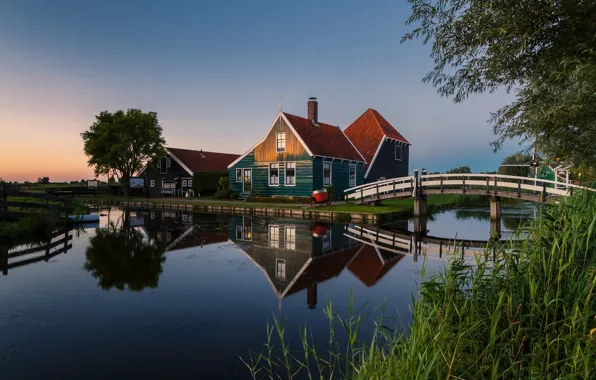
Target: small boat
[
  {"x": 320, "y": 196},
  {"x": 89, "y": 218}
]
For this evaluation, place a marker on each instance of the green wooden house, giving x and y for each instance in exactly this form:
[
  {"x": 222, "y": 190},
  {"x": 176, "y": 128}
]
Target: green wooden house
[{"x": 297, "y": 156}]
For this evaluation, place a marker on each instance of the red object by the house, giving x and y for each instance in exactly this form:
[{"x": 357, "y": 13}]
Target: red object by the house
[
  {"x": 319, "y": 230},
  {"x": 320, "y": 196}
]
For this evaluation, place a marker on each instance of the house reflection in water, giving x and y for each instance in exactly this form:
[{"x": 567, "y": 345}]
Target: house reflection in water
[
  {"x": 182, "y": 229},
  {"x": 297, "y": 255}
]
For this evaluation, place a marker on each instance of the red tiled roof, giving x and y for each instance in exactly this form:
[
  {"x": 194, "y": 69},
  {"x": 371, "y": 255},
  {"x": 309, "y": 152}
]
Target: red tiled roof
[
  {"x": 369, "y": 268},
  {"x": 212, "y": 161},
  {"x": 368, "y": 130},
  {"x": 324, "y": 140}
]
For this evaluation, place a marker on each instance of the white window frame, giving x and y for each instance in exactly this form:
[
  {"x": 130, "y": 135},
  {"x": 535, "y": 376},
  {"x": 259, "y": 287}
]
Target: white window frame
[
  {"x": 290, "y": 244},
  {"x": 280, "y": 274},
  {"x": 239, "y": 179},
  {"x": 330, "y": 173},
  {"x": 269, "y": 174},
  {"x": 184, "y": 183},
  {"x": 239, "y": 233},
  {"x": 273, "y": 231},
  {"x": 327, "y": 243},
  {"x": 350, "y": 182},
  {"x": 190, "y": 183},
  {"x": 246, "y": 230},
  {"x": 168, "y": 162},
  {"x": 293, "y": 163},
  {"x": 401, "y": 153},
  {"x": 277, "y": 148},
  {"x": 152, "y": 183}
]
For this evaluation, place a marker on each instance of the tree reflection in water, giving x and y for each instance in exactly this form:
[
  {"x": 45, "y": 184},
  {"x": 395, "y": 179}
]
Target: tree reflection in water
[
  {"x": 510, "y": 221},
  {"x": 121, "y": 256}
]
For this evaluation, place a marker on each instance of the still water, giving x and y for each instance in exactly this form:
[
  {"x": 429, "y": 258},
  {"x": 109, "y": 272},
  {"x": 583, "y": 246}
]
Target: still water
[{"x": 166, "y": 294}]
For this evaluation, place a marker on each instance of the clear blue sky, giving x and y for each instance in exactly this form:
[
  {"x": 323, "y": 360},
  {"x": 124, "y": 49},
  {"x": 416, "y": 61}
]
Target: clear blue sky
[{"x": 215, "y": 72}]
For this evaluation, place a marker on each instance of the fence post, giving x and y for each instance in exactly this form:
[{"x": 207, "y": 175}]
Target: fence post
[
  {"x": 441, "y": 183},
  {"x": 3, "y": 200},
  {"x": 377, "y": 190},
  {"x": 416, "y": 188},
  {"x": 495, "y": 184},
  {"x": 487, "y": 184},
  {"x": 519, "y": 188},
  {"x": 464, "y": 184},
  {"x": 393, "y": 187}
]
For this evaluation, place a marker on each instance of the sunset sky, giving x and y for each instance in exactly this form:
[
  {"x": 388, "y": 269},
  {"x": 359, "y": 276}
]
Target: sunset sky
[{"x": 215, "y": 72}]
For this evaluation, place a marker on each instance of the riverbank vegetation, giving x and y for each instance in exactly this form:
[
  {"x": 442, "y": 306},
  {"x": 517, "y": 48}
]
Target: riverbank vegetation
[{"x": 528, "y": 313}]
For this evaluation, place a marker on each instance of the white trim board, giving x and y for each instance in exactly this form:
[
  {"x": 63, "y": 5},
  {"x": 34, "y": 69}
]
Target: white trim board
[
  {"x": 375, "y": 157},
  {"x": 179, "y": 162}
]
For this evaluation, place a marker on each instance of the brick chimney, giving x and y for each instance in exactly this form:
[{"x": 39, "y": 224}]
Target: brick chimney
[{"x": 313, "y": 110}]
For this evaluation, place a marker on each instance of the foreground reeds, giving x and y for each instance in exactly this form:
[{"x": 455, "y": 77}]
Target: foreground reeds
[{"x": 529, "y": 313}]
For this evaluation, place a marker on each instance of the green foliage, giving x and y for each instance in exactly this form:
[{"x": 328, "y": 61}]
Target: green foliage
[
  {"x": 119, "y": 257},
  {"x": 527, "y": 313},
  {"x": 289, "y": 200},
  {"x": 120, "y": 143},
  {"x": 542, "y": 50},
  {"x": 330, "y": 192},
  {"x": 43, "y": 180},
  {"x": 514, "y": 159},
  {"x": 206, "y": 183},
  {"x": 33, "y": 229},
  {"x": 461, "y": 169},
  {"x": 223, "y": 191}
]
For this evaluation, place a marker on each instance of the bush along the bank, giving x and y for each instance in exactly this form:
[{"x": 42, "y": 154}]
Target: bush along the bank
[
  {"x": 223, "y": 190},
  {"x": 206, "y": 183},
  {"x": 527, "y": 313}
]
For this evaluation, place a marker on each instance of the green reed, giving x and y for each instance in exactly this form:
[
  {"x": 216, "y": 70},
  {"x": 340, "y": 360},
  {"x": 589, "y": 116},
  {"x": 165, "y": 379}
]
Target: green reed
[{"x": 528, "y": 313}]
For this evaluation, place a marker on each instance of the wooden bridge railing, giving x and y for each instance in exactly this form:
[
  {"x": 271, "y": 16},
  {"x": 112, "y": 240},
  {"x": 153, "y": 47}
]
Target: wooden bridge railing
[{"x": 458, "y": 183}]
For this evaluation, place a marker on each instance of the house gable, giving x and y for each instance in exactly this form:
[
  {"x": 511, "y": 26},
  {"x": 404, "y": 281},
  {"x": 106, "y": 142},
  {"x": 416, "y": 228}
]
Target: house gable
[{"x": 294, "y": 150}]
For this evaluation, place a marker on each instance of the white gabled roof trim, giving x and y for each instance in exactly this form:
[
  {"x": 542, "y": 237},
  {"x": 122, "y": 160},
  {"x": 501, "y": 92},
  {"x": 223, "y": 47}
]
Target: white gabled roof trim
[
  {"x": 375, "y": 156},
  {"x": 279, "y": 114},
  {"x": 179, "y": 162},
  {"x": 353, "y": 146}
]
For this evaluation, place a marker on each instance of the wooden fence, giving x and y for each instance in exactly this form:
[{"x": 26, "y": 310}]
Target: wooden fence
[
  {"x": 49, "y": 250},
  {"x": 30, "y": 201}
]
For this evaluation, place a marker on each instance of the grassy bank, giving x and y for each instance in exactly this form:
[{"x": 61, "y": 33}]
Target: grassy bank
[{"x": 530, "y": 314}]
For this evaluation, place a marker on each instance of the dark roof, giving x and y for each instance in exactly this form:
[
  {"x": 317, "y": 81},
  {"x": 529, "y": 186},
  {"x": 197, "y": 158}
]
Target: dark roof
[
  {"x": 204, "y": 161},
  {"x": 368, "y": 130},
  {"x": 324, "y": 139}
]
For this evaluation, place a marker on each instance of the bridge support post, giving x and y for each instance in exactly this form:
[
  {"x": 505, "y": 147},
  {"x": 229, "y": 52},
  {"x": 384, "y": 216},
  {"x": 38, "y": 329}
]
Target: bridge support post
[
  {"x": 4, "y": 259},
  {"x": 495, "y": 229},
  {"x": 495, "y": 208},
  {"x": 420, "y": 205}
]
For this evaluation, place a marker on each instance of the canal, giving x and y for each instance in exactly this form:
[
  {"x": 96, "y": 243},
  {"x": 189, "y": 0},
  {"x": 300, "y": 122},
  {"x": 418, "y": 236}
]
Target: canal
[{"x": 172, "y": 294}]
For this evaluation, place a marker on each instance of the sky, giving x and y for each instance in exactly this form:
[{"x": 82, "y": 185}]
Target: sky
[{"x": 215, "y": 72}]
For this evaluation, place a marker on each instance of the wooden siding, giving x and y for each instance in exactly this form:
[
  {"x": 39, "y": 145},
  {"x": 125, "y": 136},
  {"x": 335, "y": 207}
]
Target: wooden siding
[
  {"x": 386, "y": 165},
  {"x": 267, "y": 150},
  {"x": 339, "y": 175},
  {"x": 152, "y": 172},
  {"x": 260, "y": 178}
]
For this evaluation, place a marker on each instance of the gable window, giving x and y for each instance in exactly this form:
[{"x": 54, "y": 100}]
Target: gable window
[
  {"x": 274, "y": 236},
  {"x": 398, "y": 152},
  {"x": 352, "y": 175},
  {"x": 238, "y": 175},
  {"x": 152, "y": 183},
  {"x": 184, "y": 183},
  {"x": 280, "y": 269},
  {"x": 168, "y": 162},
  {"x": 274, "y": 174},
  {"x": 326, "y": 173},
  {"x": 290, "y": 238},
  {"x": 281, "y": 141},
  {"x": 290, "y": 174}
]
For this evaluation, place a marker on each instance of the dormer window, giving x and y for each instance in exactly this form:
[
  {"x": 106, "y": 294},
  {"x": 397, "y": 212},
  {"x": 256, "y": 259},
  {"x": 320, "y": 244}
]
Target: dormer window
[{"x": 281, "y": 142}]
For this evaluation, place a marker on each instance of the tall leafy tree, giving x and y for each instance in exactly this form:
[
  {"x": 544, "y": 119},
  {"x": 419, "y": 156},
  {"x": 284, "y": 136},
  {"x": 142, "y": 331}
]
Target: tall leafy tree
[
  {"x": 542, "y": 50},
  {"x": 120, "y": 143},
  {"x": 519, "y": 158}
]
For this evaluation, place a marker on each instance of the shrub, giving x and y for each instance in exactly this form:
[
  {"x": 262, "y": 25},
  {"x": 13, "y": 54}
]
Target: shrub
[
  {"x": 207, "y": 182},
  {"x": 223, "y": 191}
]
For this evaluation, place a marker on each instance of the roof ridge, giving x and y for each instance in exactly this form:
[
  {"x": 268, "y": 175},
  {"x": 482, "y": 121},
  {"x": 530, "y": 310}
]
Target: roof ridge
[
  {"x": 202, "y": 150},
  {"x": 373, "y": 111}
]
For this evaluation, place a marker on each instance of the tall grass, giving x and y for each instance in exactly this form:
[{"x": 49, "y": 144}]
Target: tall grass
[{"x": 530, "y": 313}]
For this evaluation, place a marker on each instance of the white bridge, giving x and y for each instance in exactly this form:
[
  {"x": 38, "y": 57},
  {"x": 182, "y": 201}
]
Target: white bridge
[{"x": 495, "y": 185}]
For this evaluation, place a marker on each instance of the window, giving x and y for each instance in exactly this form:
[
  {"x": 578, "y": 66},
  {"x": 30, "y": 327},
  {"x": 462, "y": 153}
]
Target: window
[
  {"x": 327, "y": 241},
  {"x": 274, "y": 236},
  {"x": 238, "y": 175},
  {"x": 238, "y": 232},
  {"x": 163, "y": 169},
  {"x": 326, "y": 173},
  {"x": 290, "y": 238},
  {"x": 398, "y": 152},
  {"x": 247, "y": 230},
  {"x": 290, "y": 174},
  {"x": 274, "y": 174},
  {"x": 352, "y": 175},
  {"x": 190, "y": 183},
  {"x": 184, "y": 183},
  {"x": 168, "y": 162},
  {"x": 184, "y": 218},
  {"x": 281, "y": 141},
  {"x": 152, "y": 183},
  {"x": 280, "y": 269}
]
